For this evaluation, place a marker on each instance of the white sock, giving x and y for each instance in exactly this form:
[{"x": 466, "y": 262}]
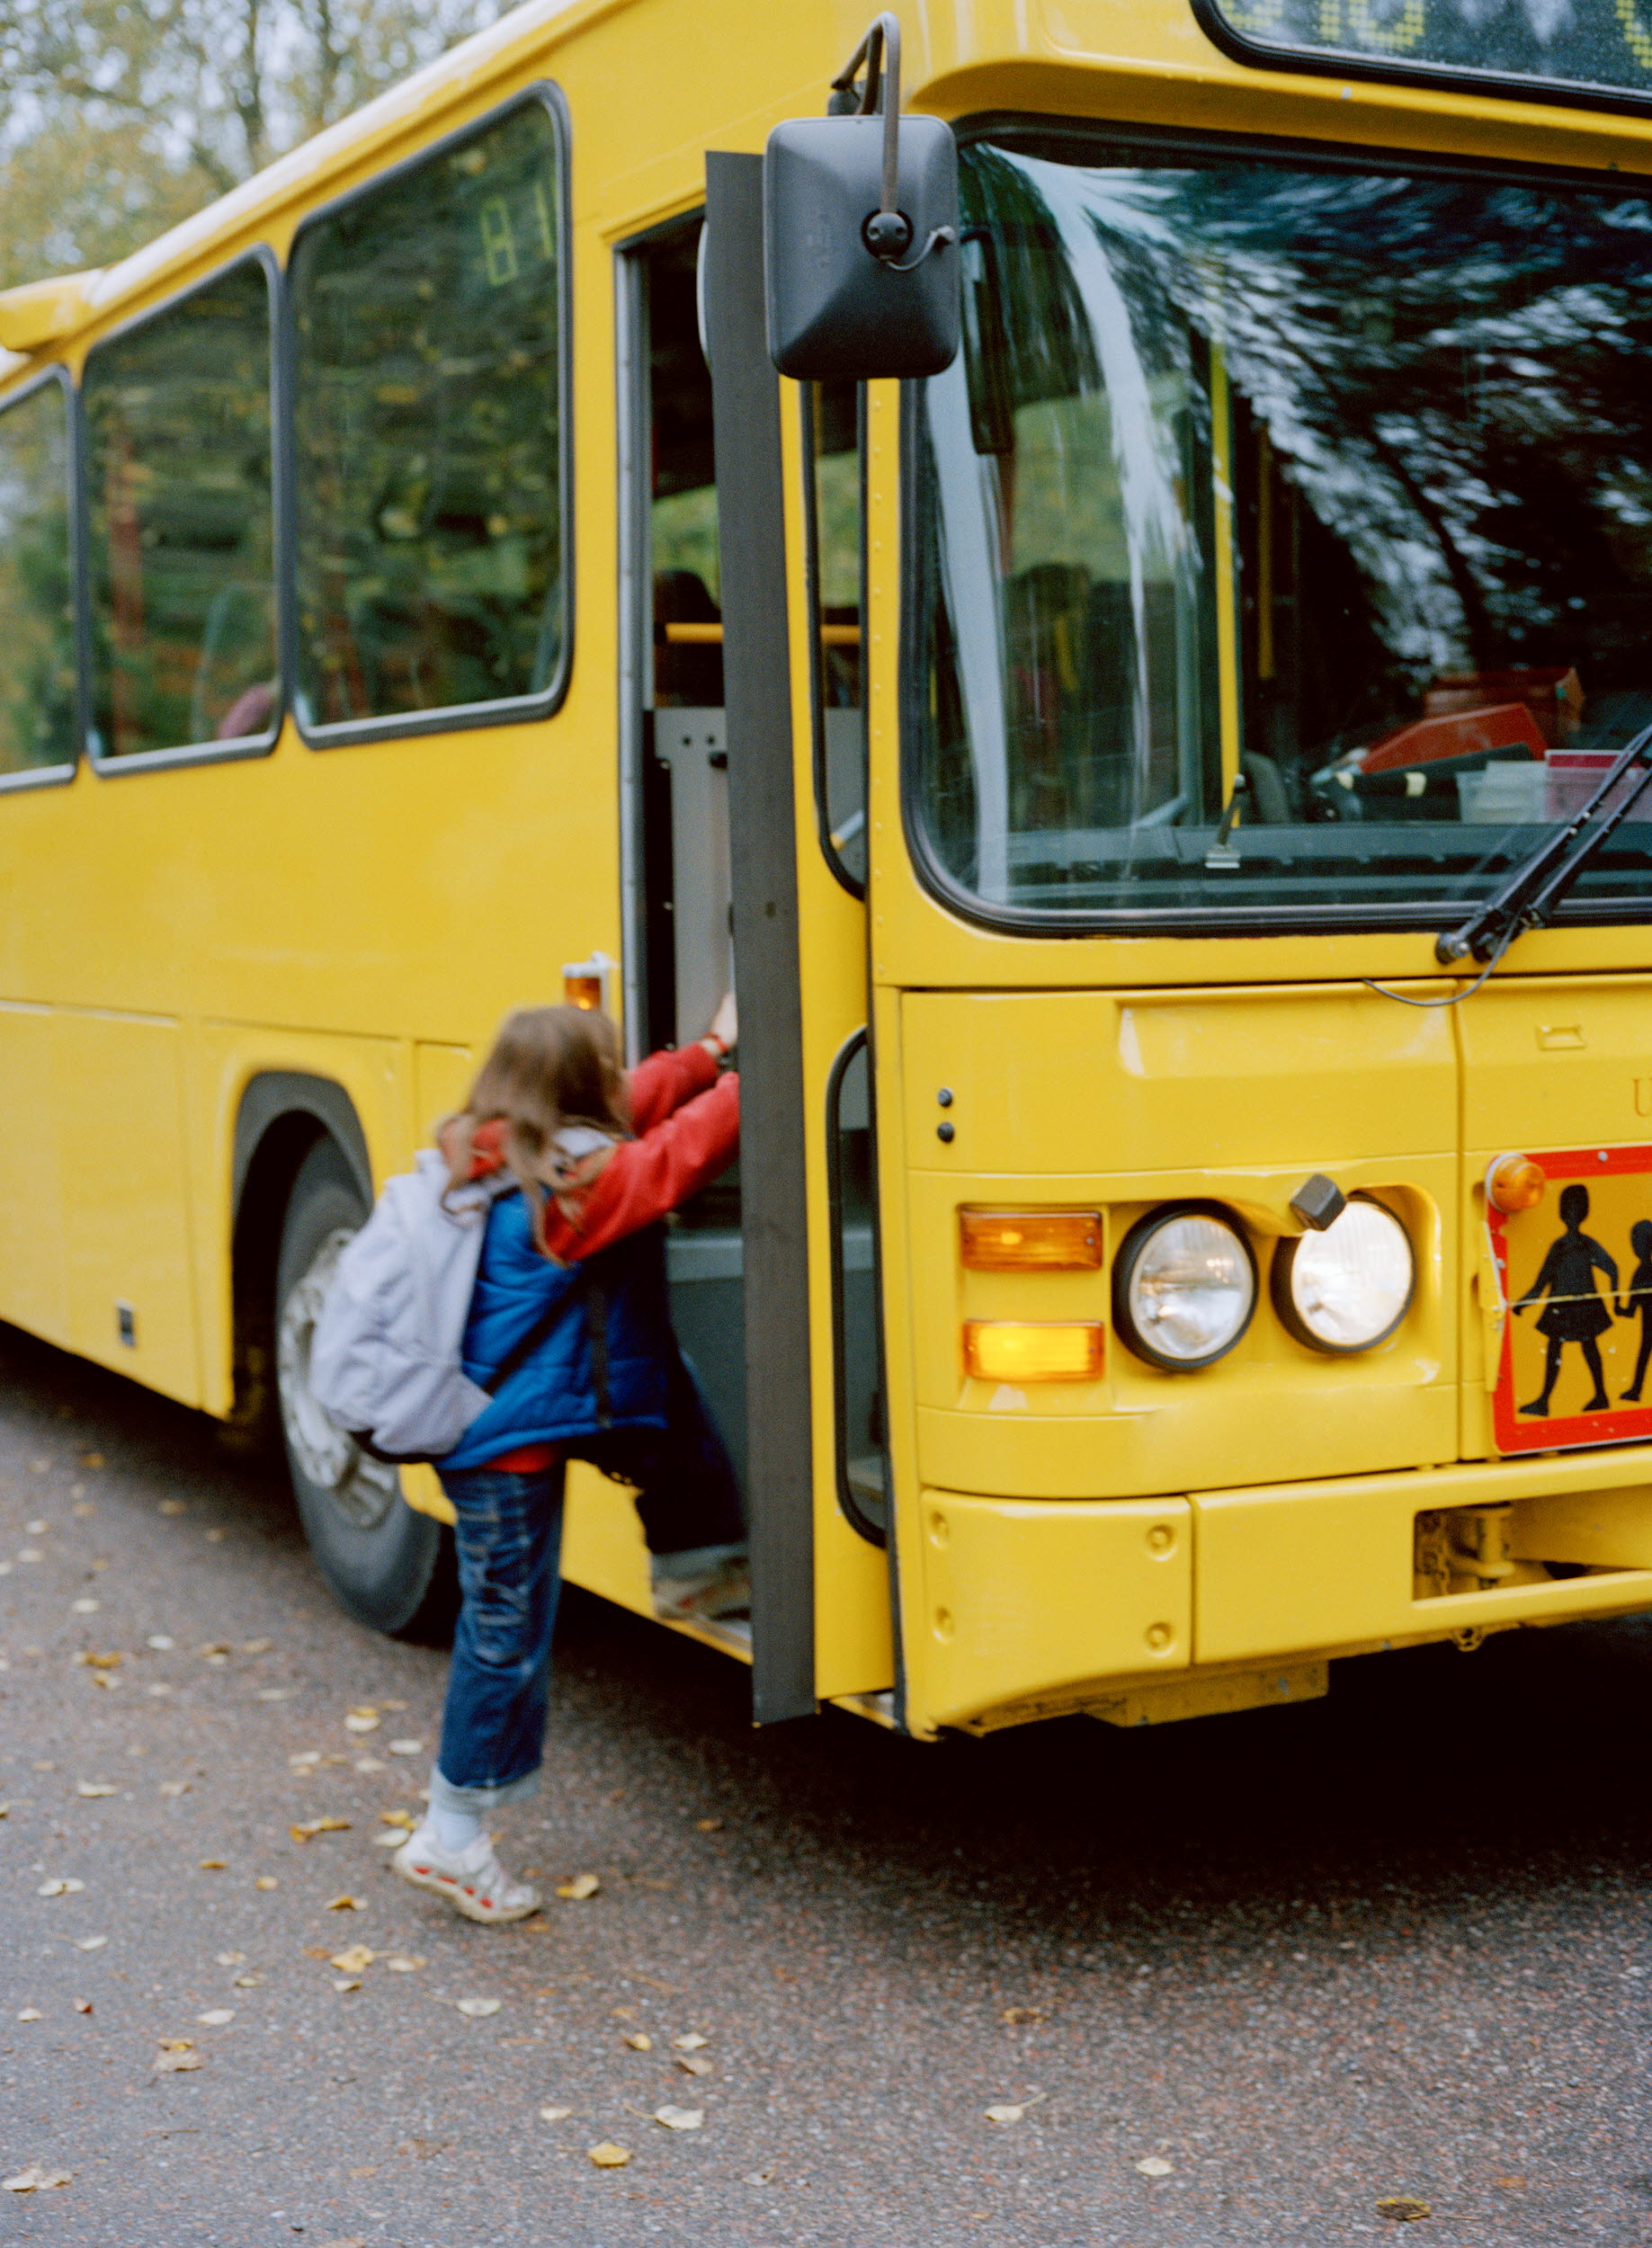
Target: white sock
[{"x": 454, "y": 1830}]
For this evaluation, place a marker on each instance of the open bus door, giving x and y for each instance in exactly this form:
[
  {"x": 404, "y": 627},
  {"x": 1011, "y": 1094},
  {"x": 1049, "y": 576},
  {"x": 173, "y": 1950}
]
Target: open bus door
[{"x": 821, "y": 1615}]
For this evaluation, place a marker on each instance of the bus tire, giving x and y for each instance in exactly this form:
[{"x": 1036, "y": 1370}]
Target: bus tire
[{"x": 389, "y": 1567}]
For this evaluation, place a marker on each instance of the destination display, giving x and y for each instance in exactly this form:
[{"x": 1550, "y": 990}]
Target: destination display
[{"x": 1602, "y": 47}]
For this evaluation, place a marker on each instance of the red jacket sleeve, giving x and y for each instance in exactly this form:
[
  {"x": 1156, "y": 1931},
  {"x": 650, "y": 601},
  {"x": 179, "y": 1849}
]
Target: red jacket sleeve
[
  {"x": 665, "y": 1081},
  {"x": 647, "y": 1177}
]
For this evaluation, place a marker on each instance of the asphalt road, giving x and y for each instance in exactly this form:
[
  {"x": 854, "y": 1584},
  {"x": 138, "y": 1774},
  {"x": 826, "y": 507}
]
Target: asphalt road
[{"x": 1391, "y": 1946}]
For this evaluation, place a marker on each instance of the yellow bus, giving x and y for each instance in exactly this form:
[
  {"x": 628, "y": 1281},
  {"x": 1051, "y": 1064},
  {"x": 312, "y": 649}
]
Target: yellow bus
[{"x": 1164, "y": 765}]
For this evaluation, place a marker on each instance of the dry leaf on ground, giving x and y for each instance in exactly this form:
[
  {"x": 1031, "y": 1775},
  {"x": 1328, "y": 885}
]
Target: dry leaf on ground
[
  {"x": 218, "y": 2017},
  {"x": 397, "y": 1818},
  {"x": 404, "y": 1962},
  {"x": 640, "y": 2041},
  {"x": 353, "y": 1961},
  {"x": 406, "y": 1748},
  {"x": 60, "y": 1885},
  {"x": 35, "y": 2180},
  {"x": 29, "y": 2013},
  {"x": 1404, "y": 2209},
  {"x": 267, "y": 1881},
  {"x": 1156, "y": 2166},
  {"x": 477, "y": 2007},
  {"x": 344, "y": 1904},
  {"x": 231, "y": 1958},
  {"x": 214, "y": 1865},
  {"x": 606, "y": 2156},
  {"x": 94, "y": 1787},
  {"x": 354, "y": 1724},
  {"x": 582, "y": 1885},
  {"x": 690, "y": 2041},
  {"x": 555, "y": 2115},
  {"x": 693, "y": 2065},
  {"x": 343, "y": 1982},
  {"x": 85, "y": 1607},
  {"x": 171, "y": 2062},
  {"x": 90, "y": 1943},
  {"x": 174, "y": 1787},
  {"x": 161, "y": 1641},
  {"x": 305, "y": 1829},
  {"x": 248, "y": 1982},
  {"x": 1004, "y": 2113},
  {"x": 391, "y": 1839},
  {"x": 83, "y": 2005},
  {"x": 680, "y": 2118},
  {"x": 706, "y": 1826},
  {"x": 1019, "y": 2017}
]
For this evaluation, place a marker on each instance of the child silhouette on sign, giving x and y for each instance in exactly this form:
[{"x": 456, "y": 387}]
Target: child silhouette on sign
[
  {"x": 1574, "y": 1312},
  {"x": 1639, "y": 1299}
]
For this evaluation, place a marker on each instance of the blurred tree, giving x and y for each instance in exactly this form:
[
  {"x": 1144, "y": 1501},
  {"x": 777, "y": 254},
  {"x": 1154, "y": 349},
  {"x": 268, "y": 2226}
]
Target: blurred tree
[{"x": 120, "y": 117}]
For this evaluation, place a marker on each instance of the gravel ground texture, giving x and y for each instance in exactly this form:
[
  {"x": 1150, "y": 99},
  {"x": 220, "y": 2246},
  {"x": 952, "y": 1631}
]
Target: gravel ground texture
[{"x": 1239, "y": 1981}]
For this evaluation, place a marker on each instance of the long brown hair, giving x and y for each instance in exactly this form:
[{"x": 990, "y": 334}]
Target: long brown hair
[{"x": 549, "y": 1067}]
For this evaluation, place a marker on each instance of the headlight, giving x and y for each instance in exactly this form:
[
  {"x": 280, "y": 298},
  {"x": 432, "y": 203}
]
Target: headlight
[
  {"x": 1184, "y": 1288},
  {"x": 1348, "y": 1287}
]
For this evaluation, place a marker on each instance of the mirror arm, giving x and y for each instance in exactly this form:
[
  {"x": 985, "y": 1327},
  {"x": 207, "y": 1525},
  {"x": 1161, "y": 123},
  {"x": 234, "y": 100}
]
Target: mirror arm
[
  {"x": 879, "y": 50},
  {"x": 888, "y": 233}
]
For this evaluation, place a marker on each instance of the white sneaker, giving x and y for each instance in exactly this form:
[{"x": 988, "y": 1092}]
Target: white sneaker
[
  {"x": 471, "y": 1879},
  {"x": 725, "y": 1589}
]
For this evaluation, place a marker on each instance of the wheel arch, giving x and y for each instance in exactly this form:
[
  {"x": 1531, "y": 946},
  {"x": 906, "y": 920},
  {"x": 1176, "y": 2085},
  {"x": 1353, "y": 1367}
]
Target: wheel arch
[{"x": 281, "y": 1116}]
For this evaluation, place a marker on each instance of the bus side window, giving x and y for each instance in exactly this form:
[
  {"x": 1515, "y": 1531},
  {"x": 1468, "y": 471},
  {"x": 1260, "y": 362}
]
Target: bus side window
[
  {"x": 180, "y": 524},
  {"x": 430, "y": 434},
  {"x": 37, "y": 601},
  {"x": 833, "y": 459}
]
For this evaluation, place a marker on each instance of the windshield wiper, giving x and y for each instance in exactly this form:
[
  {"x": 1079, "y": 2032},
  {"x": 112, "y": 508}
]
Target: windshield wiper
[{"x": 1529, "y": 893}]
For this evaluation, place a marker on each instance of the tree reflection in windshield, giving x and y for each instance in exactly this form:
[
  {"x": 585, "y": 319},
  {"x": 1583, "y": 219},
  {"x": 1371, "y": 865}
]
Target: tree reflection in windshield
[{"x": 1332, "y": 485}]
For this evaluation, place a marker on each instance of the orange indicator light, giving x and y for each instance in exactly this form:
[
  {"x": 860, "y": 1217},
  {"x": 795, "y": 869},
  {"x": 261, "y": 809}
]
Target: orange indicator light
[
  {"x": 1022, "y": 1350},
  {"x": 1030, "y": 1241},
  {"x": 583, "y": 991},
  {"x": 1515, "y": 1182}
]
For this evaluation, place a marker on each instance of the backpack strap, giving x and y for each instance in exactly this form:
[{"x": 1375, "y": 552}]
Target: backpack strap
[{"x": 521, "y": 1351}]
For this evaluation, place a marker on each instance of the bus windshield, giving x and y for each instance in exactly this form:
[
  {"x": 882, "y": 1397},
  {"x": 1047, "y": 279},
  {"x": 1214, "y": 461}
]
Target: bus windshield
[{"x": 1284, "y": 540}]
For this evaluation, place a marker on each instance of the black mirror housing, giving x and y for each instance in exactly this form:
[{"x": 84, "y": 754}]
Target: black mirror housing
[{"x": 838, "y": 310}]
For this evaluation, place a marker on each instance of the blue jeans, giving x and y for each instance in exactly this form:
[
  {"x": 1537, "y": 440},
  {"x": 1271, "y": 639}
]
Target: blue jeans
[{"x": 509, "y": 1542}]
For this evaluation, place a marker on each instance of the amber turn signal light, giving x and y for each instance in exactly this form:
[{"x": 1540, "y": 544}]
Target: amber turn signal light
[
  {"x": 583, "y": 991},
  {"x": 1021, "y": 1351},
  {"x": 1515, "y": 1182},
  {"x": 1030, "y": 1241}
]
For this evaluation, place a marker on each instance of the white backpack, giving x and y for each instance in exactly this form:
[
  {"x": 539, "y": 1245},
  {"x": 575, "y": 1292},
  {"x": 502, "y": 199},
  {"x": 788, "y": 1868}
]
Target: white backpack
[{"x": 385, "y": 1358}]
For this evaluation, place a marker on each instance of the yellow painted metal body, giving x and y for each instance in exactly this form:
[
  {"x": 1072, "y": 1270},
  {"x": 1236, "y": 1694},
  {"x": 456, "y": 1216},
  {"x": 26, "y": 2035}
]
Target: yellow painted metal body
[{"x": 368, "y": 913}]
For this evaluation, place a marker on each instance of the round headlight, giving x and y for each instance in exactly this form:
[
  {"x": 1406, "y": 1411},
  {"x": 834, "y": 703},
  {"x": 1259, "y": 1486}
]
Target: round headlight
[
  {"x": 1184, "y": 1288},
  {"x": 1348, "y": 1287}
]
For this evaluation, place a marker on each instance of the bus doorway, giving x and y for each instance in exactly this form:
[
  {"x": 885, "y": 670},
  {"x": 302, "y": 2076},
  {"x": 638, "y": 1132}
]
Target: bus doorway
[{"x": 680, "y": 946}]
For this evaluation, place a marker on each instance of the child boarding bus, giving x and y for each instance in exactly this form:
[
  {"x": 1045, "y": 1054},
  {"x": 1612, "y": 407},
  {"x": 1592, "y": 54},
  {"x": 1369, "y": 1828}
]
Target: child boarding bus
[{"x": 1154, "y": 696}]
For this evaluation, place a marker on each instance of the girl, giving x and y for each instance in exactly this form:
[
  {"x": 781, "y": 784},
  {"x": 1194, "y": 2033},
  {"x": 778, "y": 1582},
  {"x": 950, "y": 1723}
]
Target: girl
[
  {"x": 570, "y": 1302},
  {"x": 1574, "y": 1312}
]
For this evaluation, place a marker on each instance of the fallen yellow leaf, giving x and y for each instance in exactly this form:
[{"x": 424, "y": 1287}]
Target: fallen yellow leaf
[
  {"x": 354, "y": 1960},
  {"x": 304, "y": 1829},
  {"x": 267, "y": 1881},
  {"x": 1404, "y": 2209},
  {"x": 693, "y": 2065},
  {"x": 640, "y": 2041},
  {"x": 690, "y": 2041},
  {"x": 344, "y": 1904},
  {"x": 555, "y": 2115},
  {"x": 35, "y": 2180},
  {"x": 606, "y": 2156},
  {"x": 680, "y": 2118},
  {"x": 582, "y": 1885}
]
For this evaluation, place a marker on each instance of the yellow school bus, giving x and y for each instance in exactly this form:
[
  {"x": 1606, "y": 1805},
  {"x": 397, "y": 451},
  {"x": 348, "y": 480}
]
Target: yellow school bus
[{"x": 1161, "y": 749}]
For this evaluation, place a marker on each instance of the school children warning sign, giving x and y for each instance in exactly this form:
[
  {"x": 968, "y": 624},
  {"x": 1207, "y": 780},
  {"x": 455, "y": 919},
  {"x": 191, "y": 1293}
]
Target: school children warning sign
[{"x": 1576, "y": 1275}]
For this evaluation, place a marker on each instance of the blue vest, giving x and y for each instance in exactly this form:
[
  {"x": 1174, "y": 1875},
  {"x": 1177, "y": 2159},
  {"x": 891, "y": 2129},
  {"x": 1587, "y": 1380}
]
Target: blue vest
[{"x": 602, "y": 1365}]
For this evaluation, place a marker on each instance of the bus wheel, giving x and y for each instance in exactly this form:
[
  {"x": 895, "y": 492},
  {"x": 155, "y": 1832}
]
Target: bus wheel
[{"x": 385, "y": 1564}]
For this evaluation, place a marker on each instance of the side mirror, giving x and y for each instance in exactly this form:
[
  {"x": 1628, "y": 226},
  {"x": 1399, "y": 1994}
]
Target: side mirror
[{"x": 860, "y": 227}]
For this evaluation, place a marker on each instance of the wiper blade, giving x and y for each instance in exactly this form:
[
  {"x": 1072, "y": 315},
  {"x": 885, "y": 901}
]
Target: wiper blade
[{"x": 1527, "y": 895}]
